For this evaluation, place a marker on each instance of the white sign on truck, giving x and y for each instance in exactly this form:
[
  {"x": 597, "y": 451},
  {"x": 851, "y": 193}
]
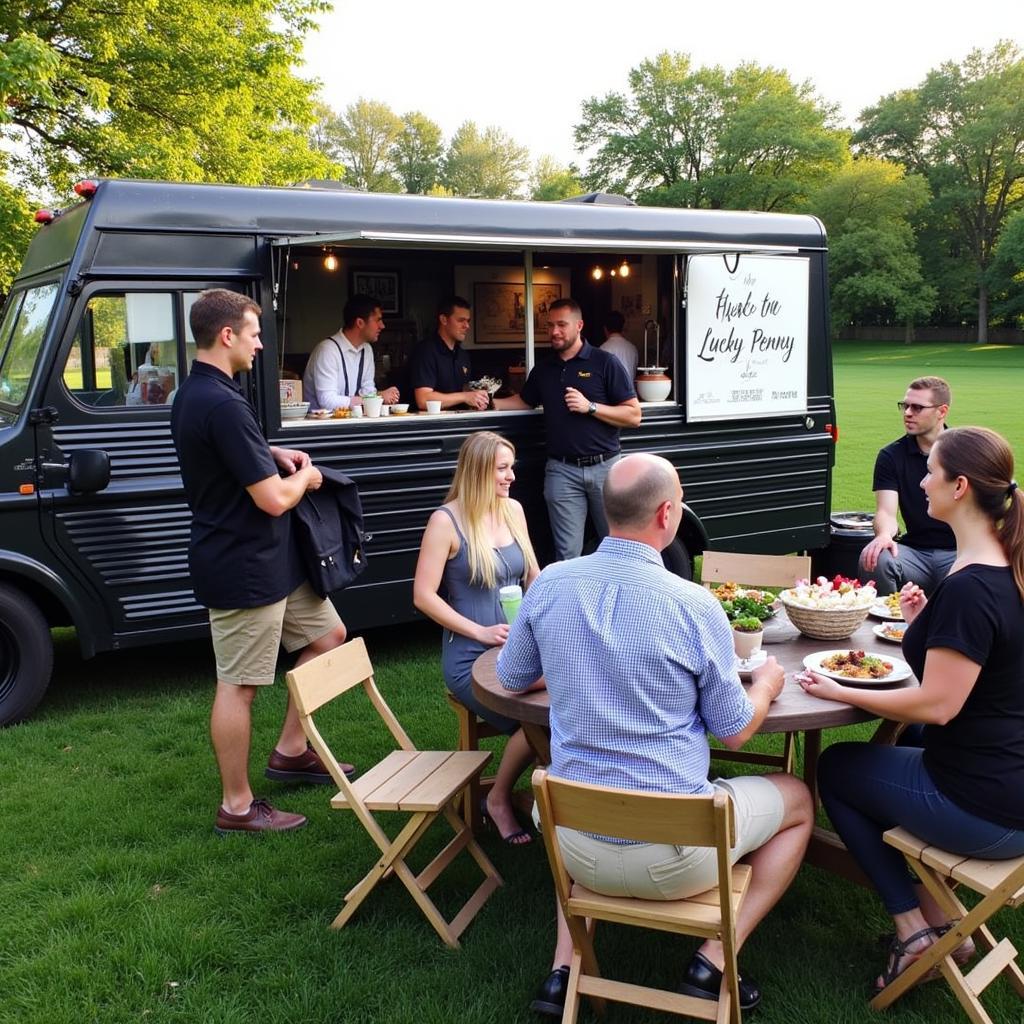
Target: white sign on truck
[{"x": 746, "y": 336}]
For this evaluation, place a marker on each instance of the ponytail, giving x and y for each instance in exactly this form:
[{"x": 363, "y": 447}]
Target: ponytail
[
  {"x": 1011, "y": 534},
  {"x": 984, "y": 458}
]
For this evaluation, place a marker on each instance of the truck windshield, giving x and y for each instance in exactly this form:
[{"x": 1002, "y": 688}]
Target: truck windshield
[{"x": 21, "y": 337}]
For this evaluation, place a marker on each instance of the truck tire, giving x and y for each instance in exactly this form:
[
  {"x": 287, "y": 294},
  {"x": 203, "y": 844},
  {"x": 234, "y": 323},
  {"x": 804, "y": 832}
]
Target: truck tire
[
  {"x": 677, "y": 559},
  {"x": 26, "y": 655}
]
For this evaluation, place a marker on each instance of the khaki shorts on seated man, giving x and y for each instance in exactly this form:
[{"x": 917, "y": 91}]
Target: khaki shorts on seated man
[
  {"x": 242, "y": 556},
  {"x": 640, "y": 667}
]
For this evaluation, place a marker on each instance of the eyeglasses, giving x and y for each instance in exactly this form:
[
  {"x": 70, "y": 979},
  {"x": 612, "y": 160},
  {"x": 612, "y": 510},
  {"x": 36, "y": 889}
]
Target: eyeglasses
[{"x": 913, "y": 408}]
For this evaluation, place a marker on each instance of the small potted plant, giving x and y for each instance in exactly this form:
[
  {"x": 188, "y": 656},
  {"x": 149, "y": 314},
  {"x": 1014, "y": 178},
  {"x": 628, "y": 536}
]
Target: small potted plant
[{"x": 747, "y": 634}]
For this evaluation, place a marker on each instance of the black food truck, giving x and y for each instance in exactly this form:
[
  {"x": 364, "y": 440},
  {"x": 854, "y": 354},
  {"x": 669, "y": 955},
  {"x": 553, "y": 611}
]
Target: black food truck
[{"x": 729, "y": 312}]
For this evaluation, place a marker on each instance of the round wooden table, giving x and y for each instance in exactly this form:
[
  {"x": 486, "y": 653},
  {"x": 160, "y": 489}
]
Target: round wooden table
[{"x": 794, "y": 711}]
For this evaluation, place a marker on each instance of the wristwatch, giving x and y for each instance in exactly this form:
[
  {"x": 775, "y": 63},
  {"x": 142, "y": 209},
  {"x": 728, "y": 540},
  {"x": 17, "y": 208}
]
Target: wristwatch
[{"x": 592, "y": 409}]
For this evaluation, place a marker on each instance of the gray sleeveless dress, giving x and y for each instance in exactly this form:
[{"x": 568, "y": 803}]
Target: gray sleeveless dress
[{"x": 479, "y": 604}]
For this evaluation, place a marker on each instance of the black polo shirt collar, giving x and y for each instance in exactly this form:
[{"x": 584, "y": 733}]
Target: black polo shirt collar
[{"x": 215, "y": 373}]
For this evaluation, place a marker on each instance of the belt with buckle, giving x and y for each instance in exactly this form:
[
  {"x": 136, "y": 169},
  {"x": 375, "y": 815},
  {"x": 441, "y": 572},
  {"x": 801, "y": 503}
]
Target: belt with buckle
[{"x": 586, "y": 460}]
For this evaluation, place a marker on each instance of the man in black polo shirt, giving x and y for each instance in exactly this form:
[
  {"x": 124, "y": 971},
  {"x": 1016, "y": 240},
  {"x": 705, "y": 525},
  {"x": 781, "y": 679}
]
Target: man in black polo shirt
[
  {"x": 926, "y": 551},
  {"x": 587, "y": 398},
  {"x": 440, "y": 365},
  {"x": 242, "y": 556}
]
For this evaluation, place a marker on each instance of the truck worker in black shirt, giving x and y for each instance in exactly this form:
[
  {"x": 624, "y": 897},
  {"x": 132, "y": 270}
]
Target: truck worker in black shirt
[
  {"x": 587, "y": 398},
  {"x": 242, "y": 556},
  {"x": 440, "y": 365}
]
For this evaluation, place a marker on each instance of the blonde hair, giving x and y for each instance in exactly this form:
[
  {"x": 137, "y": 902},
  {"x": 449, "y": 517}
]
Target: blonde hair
[{"x": 473, "y": 488}]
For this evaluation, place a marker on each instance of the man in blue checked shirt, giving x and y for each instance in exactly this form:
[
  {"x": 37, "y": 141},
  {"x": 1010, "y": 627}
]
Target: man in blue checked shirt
[{"x": 640, "y": 668}]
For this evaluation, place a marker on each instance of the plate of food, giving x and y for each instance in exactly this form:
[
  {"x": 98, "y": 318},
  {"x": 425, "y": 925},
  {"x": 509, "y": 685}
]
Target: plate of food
[
  {"x": 888, "y": 608},
  {"x": 746, "y": 666},
  {"x": 858, "y": 668},
  {"x": 891, "y": 631}
]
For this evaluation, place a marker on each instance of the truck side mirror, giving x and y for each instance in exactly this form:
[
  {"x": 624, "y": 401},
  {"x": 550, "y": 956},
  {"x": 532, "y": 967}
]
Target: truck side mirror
[{"x": 88, "y": 471}]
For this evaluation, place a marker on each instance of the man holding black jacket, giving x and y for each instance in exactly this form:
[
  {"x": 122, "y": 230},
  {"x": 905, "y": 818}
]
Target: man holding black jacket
[{"x": 243, "y": 558}]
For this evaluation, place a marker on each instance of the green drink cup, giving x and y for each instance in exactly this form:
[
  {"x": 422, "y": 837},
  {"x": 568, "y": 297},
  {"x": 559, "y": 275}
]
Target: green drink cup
[{"x": 511, "y": 597}]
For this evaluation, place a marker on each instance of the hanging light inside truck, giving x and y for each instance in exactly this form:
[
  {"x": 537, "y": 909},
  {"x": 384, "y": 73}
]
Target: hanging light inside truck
[
  {"x": 624, "y": 269},
  {"x": 330, "y": 262}
]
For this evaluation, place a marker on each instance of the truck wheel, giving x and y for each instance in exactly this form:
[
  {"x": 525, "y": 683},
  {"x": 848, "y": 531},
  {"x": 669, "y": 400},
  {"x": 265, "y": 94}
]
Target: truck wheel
[
  {"x": 26, "y": 655},
  {"x": 677, "y": 559}
]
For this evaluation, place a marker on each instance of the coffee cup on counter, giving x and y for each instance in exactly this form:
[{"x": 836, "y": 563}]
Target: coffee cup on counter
[{"x": 433, "y": 407}]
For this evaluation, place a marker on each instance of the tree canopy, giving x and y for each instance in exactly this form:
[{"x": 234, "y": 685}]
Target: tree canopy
[
  {"x": 484, "y": 163},
  {"x": 962, "y": 129},
  {"x": 361, "y": 138},
  {"x": 868, "y": 208},
  {"x": 180, "y": 89},
  {"x": 706, "y": 137}
]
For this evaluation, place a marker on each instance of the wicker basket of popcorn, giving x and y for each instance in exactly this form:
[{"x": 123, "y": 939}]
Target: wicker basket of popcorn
[{"x": 828, "y": 609}]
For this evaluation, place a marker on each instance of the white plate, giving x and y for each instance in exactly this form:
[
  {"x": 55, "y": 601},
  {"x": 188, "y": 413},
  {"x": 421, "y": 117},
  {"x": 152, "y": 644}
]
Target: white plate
[
  {"x": 881, "y": 611},
  {"x": 900, "y": 669},
  {"x": 879, "y": 631},
  {"x": 746, "y": 666}
]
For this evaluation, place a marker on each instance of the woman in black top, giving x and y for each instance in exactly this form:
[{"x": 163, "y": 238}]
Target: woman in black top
[{"x": 957, "y": 778}]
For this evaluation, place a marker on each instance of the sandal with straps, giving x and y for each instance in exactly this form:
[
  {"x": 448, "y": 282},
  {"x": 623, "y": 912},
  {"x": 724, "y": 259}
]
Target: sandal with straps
[
  {"x": 898, "y": 950},
  {"x": 962, "y": 955}
]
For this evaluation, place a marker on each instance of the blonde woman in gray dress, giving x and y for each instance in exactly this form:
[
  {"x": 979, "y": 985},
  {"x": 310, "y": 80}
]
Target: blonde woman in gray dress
[{"x": 474, "y": 544}]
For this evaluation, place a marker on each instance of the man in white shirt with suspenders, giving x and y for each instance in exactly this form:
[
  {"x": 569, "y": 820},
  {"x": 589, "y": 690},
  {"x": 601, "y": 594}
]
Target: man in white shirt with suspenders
[{"x": 341, "y": 366}]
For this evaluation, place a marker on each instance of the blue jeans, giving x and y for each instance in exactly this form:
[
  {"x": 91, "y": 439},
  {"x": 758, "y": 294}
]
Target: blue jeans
[
  {"x": 868, "y": 788},
  {"x": 569, "y": 492},
  {"x": 923, "y": 566}
]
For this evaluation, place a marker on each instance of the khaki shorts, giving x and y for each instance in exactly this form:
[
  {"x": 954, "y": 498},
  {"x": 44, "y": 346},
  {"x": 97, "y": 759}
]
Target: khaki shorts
[
  {"x": 246, "y": 640},
  {"x": 657, "y": 871}
]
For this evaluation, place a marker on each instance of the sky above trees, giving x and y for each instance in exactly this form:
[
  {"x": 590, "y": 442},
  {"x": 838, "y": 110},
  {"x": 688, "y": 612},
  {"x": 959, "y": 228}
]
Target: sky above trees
[{"x": 530, "y": 68}]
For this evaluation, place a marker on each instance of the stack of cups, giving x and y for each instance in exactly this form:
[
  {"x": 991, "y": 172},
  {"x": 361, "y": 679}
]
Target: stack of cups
[{"x": 511, "y": 597}]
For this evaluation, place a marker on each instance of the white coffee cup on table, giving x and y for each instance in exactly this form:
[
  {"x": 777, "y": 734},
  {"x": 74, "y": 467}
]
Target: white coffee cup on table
[{"x": 434, "y": 406}]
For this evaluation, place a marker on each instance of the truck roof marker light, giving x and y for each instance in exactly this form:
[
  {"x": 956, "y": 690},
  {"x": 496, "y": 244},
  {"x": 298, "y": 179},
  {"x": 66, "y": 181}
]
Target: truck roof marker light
[
  {"x": 44, "y": 216},
  {"x": 86, "y": 188},
  {"x": 833, "y": 431},
  {"x": 26, "y": 489}
]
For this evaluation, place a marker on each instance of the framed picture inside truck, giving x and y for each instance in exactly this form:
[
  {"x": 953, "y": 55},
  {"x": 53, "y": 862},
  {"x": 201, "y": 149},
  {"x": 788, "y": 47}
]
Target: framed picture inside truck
[{"x": 730, "y": 309}]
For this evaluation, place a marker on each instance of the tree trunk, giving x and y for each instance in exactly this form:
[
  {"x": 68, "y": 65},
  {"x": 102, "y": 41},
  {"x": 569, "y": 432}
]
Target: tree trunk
[
  {"x": 982, "y": 313},
  {"x": 908, "y": 332}
]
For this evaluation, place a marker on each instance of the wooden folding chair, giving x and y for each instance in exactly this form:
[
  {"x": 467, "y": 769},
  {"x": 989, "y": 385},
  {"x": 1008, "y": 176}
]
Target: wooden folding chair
[
  {"x": 651, "y": 818},
  {"x": 424, "y": 784},
  {"x": 472, "y": 729},
  {"x": 754, "y": 570},
  {"x": 1000, "y": 883}
]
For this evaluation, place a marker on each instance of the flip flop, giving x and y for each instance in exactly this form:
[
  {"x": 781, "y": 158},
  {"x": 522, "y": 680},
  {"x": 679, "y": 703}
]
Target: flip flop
[{"x": 513, "y": 838}]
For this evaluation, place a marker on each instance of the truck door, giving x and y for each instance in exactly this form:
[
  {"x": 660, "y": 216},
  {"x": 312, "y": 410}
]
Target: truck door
[{"x": 123, "y": 355}]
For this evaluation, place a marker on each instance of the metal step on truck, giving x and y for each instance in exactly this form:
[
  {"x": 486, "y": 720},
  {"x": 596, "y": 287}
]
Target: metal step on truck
[{"x": 729, "y": 311}]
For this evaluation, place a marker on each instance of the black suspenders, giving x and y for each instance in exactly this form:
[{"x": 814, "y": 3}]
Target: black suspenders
[{"x": 344, "y": 365}]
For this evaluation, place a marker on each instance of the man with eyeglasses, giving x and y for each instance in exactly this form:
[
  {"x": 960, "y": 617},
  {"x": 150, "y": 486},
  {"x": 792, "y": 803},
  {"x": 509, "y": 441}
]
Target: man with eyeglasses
[{"x": 926, "y": 551}]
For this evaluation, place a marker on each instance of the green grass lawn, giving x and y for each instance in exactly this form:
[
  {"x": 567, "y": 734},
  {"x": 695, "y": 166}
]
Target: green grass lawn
[{"x": 118, "y": 903}]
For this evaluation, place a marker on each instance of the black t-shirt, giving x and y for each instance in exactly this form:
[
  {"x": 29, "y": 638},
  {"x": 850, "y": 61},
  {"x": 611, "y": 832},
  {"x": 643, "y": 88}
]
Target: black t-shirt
[
  {"x": 435, "y": 365},
  {"x": 900, "y": 467},
  {"x": 239, "y": 556},
  {"x": 599, "y": 376},
  {"x": 977, "y": 759}
]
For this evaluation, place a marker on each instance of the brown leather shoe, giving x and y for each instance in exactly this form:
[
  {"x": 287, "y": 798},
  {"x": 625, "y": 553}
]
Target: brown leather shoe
[
  {"x": 260, "y": 817},
  {"x": 305, "y": 767}
]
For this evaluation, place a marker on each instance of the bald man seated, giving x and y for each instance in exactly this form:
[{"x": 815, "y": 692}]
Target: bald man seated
[{"x": 640, "y": 667}]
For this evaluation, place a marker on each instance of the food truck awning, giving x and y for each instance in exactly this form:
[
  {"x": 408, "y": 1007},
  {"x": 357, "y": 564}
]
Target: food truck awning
[{"x": 544, "y": 243}]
